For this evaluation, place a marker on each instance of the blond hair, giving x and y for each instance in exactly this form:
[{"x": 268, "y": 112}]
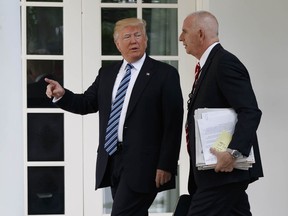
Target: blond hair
[{"x": 121, "y": 24}]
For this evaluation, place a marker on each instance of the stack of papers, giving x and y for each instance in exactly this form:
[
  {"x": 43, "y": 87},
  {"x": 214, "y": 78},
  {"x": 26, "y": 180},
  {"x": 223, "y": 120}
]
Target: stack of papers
[{"x": 214, "y": 128}]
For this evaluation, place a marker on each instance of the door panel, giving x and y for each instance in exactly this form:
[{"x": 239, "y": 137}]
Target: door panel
[
  {"x": 163, "y": 28},
  {"x": 51, "y": 47},
  {"x": 69, "y": 41}
]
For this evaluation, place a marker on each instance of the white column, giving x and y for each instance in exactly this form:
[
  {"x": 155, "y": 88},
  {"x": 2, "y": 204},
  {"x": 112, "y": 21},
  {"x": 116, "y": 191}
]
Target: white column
[{"x": 11, "y": 147}]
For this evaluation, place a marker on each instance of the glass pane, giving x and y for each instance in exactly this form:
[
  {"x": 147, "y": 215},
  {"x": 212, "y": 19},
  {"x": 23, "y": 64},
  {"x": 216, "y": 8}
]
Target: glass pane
[
  {"x": 45, "y": 136},
  {"x": 45, "y": 190},
  {"x": 37, "y": 70},
  {"x": 107, "y": 62},
  {"x": 159, "y": 1},
  {"x": 109, "y": 17},
  {"x": 164, "y": 202},
  {"x": 118, "y": 1},
  {"x": 162, "y": 31},
  {"x": 173, "y": 63},
  {"x": 108, "y": 201},
  {"x": 45, "y": 0},
  {"x": 45, "y": 30}
]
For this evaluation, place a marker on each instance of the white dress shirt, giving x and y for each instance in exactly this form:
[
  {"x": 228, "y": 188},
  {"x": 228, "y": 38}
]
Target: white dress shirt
[
  {"x": 206, "y": 54},
  {"x": 134, "y": 74}
]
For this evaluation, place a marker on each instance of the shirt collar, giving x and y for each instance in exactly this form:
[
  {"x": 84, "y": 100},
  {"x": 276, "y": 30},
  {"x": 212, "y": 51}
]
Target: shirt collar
[
  {"x": 138, "y": 64},
  {"x": 206, "y": 54}
]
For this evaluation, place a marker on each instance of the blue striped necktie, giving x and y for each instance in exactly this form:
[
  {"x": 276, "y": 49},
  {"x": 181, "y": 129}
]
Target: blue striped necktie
[{"x": 111, "y": 138}]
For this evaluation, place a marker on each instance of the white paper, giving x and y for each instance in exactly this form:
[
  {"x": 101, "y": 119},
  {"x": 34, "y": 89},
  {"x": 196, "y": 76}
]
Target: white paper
[
  {"x": 209, "y": 124},
  {"x": 209, "y": 133}
]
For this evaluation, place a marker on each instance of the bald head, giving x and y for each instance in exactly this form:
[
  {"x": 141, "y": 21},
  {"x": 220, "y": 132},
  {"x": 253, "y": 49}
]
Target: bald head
[
  {"x": 200, "y": 30},
  {"x": 207, "y": 22}
]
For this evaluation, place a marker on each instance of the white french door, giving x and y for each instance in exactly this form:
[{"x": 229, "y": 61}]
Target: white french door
[
  {"x": 164, "y": 22},
  {"x": 53, "y": 138},
  {"x": 73, "y": 39}
]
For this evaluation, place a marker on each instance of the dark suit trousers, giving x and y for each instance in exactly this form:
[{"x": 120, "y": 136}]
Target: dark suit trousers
[
  {"x": 126, "y": 202},
  {"x": 226, "y": 200}
]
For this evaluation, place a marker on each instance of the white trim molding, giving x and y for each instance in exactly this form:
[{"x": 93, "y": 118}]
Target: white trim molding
[{"x": 202, "y": 5}]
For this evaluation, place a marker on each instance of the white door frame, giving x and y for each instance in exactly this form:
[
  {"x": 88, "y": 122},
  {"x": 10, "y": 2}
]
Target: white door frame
[{"x": 91, "y": 28}]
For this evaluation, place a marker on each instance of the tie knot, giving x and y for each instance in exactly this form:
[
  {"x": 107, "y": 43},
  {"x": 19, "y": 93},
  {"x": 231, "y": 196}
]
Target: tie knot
[{"x": 129, "y": 66}]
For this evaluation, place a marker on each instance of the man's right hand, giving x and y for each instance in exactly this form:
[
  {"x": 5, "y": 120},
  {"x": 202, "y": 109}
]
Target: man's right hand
[{"x": 54, "y": 89}]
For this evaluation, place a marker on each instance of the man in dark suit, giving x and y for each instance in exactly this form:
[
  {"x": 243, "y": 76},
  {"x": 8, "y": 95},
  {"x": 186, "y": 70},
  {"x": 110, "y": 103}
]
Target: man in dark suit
[
  {"x": 150, "y": 126},
  {"x": 223, "y": 83}
]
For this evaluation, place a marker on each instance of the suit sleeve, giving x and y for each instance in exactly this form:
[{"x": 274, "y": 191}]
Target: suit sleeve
[
  {"x": 235, "y": 84},
  {"x": 172, "y": 115},
  {"x": 81, "y": 103}
]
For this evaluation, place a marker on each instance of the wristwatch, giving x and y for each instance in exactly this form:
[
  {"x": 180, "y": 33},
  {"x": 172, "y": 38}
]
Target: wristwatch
[{"x": 234, "y": 153}]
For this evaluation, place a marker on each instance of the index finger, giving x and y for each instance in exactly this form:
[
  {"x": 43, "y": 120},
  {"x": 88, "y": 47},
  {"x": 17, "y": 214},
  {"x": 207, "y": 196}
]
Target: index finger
[{"x": 50, "y": 81}]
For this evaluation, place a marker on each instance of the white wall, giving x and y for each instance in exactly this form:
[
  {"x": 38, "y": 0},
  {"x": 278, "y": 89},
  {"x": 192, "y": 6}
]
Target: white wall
[
  {"x": 11, "y": 147},
  {"x": 256, "y": 31}
]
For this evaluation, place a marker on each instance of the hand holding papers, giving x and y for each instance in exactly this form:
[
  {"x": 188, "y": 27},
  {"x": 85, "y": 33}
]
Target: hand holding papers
[{"x": 214, "y": 128}]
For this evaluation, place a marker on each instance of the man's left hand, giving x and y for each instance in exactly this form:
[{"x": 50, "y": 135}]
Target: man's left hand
[
  {"x": 162, "y": 177},
  {"x": 225, "y": 161}
]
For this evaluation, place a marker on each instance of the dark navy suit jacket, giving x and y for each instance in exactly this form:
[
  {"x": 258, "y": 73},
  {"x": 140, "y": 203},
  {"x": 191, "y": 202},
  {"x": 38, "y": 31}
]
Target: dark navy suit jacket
[
  {"x": 225, "y": 83},
  {"x": 152, "y": 128}
]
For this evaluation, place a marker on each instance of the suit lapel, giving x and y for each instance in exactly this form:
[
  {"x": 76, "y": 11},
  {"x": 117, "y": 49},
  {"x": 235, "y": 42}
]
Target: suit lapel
[
  {"x": 109, "y": 78},
  {"x": 142, "y": 81},
  {"x": 204, "y": 72}
]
